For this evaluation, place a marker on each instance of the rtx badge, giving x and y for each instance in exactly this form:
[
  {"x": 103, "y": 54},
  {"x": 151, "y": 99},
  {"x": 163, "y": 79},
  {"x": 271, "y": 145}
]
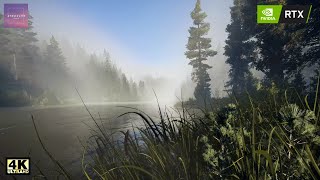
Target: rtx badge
[
  {"x": 18, "y": 166},
  {"x": 273, "y": 14},
  {"x": 295, "y": 14}
]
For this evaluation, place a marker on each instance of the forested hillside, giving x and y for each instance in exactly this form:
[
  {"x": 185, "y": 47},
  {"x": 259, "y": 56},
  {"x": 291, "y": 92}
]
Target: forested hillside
[
  {"x": 266, "y": 128},
  {"x": 287, "y": 54},
  {"x": 39, "y": 73}
]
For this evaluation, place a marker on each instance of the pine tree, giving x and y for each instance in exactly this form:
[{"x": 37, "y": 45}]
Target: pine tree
[
  {"x": 19, "y": 50},
  {"x": 107, "y": 60},
  {"x": 239, "y": 53},
  {"x": 309, "y": 34},
  {"x": 19, "y": 60},
  {"x": 5, "y": 73},
  {"x": 198, "y": 52},
  {"x": 125, "y": 88},
  {"x": 55, "y": 56},
  {"x": 285, "y": 49},
  {"x": 134, "y": 91},
  {"x": 141, "y": 88},
  {"x": 27, "y": 55},
  {"x": 4, "y": 39},
  {"x": 116, "y": 82},
  {"x": 55, "y": 70}
]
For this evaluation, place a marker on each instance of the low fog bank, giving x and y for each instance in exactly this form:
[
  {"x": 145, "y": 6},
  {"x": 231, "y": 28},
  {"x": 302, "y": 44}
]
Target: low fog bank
[
  {"x": 89, "y": 72},
  {"x": 99, "y": 79},
  {"x": 103, "y": 68},
  {"x": 169, "y": 78}
]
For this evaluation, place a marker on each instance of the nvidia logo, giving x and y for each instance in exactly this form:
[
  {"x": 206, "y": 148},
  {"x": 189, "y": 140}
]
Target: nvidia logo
[{"x": 268, "y": 12}]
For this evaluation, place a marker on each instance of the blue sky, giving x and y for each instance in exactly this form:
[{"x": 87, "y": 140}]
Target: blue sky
[
  {"x": 141, "y": 35},
  {"x": 147, "y": 26}
]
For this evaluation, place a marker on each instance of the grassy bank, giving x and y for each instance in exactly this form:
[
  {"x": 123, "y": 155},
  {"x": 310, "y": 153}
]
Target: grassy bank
[
  {"x": 265, "y": 138},
  {"x": 271, "y": 134}
]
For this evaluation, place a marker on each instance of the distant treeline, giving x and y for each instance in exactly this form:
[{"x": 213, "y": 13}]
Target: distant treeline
[{"x": 33, "y": 74}]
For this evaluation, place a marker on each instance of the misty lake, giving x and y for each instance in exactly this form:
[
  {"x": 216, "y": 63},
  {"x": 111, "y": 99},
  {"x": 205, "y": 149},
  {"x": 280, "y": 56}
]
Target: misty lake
[{"x": 61, "y": 128}]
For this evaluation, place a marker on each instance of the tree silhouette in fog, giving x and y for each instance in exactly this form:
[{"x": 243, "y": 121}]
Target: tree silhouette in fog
[{"x": 198, "y": 52}]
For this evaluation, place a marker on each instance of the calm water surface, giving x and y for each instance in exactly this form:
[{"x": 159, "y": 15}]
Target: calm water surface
[{"x": 61, "y": 129}]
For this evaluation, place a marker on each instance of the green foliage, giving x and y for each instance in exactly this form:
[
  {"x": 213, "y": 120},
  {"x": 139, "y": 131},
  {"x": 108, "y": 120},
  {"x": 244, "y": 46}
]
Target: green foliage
[
  {"x": 18, "y": 56},
  {"x": 213, "y": 105},
  {"x": 240, "y": 52},
  {"x": 164, "y": 150},
  {"x": 54, "y": 56},
  {"x": 108, "y": 82},
  {"x": 198, "y": 52},
  {"x": 53, "y": 69},
  {"x": 249, "y": 139},
  {"x": 23, "y": 68},
  {"x": 284, "y": 50}
]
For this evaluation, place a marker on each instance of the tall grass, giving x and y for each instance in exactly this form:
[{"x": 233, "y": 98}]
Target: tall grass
[
  {"x": 269, "y": 135},
  {"x": 168, "y": 149},
  {"x": 269, "y": 138}
]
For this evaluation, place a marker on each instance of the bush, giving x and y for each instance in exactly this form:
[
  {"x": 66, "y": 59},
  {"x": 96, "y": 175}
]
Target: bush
[
  {"x": 270, "y": 139},
  {"x": 276, "y": 138}
]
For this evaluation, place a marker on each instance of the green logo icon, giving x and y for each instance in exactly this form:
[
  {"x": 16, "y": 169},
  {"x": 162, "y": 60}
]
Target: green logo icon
[{"x": 268, "y": 14}]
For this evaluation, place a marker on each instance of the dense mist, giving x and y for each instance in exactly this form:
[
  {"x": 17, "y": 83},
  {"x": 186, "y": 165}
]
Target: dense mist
[{"x": 100, "y": 66}]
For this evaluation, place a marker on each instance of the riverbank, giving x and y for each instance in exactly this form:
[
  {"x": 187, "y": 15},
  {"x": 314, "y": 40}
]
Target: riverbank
[{"x": 59, "y": 126}]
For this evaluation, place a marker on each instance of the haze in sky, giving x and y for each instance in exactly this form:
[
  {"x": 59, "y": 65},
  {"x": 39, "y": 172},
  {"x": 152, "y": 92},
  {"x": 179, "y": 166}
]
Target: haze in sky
[{"x": 143, "y": 37}]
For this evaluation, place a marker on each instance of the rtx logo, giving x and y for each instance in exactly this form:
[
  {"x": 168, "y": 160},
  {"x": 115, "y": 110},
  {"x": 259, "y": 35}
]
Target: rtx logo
[
  {"x": 273, "y": 14},
  {"x": 293, "y": 14}
]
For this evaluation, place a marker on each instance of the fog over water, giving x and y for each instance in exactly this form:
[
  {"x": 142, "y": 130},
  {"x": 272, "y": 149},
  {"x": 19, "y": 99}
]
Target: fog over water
[
  {"x": 165, "y": 71},
  {"x": 85, "y": 73},
  {"x": 71, "y": 29}
]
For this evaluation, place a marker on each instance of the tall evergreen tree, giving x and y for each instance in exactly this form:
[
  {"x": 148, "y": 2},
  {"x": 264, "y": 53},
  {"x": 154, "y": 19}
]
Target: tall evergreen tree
[
  {"x": 55, "y": 70},
  {"x": 19, "y": 62},
  {"x": 27, "y": 53},
  {"x": 5, "y": 74},
  {"x": 279, "y": 56},
  {"x": 308, "y": 36},
  {"x": 239, "y": 52},
  {"x": 125, "y": 88},
  {"x": 141, "y": 88},
  {"x": 116, "y": 82},
  {"x": 55, "y": 56},
  {"x": 134, "y": 91},
  {"x": 18, "y": 48},
  {"x": 198, "y": 52},
  {"x": 275, "y": 56}
]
